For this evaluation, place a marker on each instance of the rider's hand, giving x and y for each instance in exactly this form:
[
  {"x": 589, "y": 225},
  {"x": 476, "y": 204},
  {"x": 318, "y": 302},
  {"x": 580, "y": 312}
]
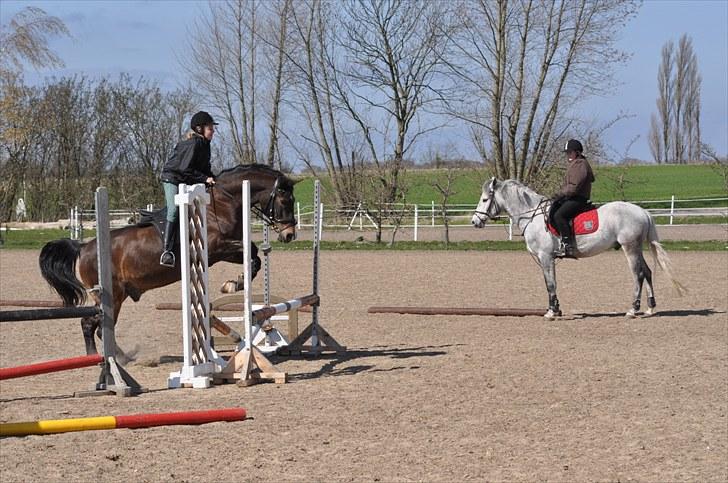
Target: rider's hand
[{"x": 210, "y": 181}]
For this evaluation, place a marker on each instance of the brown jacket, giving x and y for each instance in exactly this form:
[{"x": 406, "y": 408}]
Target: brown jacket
[{"x": 579, "y": 178}]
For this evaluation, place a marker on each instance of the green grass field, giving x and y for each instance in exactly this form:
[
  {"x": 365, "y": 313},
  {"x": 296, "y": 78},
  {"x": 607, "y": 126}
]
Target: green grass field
[{"x": 642, "y": 183}]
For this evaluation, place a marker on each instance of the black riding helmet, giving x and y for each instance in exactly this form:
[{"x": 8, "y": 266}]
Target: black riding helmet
[
  {"x": 201, "y": 118},
  {"x": 573, "y": 145}
]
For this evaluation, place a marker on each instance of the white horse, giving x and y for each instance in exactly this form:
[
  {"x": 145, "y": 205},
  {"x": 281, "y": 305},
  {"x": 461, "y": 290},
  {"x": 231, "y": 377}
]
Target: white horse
[{"x": 620, "y": 225}]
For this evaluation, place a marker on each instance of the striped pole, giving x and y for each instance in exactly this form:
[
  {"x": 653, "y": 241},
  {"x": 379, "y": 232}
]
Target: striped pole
[
  {"x": 50, "y": 366},
  {"x": 133, "y": 421}
]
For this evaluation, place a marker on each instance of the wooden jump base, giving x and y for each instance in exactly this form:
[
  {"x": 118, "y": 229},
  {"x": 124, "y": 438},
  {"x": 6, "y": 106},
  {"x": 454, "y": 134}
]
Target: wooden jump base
[
  {"x": 30, "y": 303},
  {"x": 455, "y": 311},
  {"x": 50, "y": 366},
  {"x": 133, "y": 421}
]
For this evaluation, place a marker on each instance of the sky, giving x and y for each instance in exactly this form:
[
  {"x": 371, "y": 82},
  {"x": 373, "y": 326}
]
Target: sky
[{"x": 144, "y": 37}]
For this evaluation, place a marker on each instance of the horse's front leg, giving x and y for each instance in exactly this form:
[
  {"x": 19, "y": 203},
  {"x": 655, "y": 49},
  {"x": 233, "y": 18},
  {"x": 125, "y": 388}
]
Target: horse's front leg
[
  {"x": 235, "y": 255},
  {"x": 549, "y": 275}
]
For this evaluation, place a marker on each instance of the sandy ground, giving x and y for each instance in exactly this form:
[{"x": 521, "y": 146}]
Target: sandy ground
[{"x": 590, "y": 397}]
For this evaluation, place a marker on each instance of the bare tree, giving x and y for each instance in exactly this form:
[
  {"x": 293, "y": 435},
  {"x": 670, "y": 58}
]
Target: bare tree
[
  {"x": 523, "y": 65},
  {"x": 234, "y": 47},
  {"x": 25, "y": 39},
  {"x": 675, "y": 134},
  {"x": 660, "y": 129},
  {"x": 445, "y": 187}
]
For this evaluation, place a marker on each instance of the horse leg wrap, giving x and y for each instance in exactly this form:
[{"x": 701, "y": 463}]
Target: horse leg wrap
[
  {"x": 554, "y": 304},
  {"x": 636, "y": 305},
  {"x": 651, "y": 302}
]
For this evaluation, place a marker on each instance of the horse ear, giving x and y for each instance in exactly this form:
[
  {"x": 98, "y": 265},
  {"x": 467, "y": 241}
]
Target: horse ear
[{"x": 493, "y": 183}]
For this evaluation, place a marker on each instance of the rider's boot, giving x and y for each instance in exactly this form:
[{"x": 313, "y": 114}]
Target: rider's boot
[
  {"x": 167, "y": 259},
  {"x": 566, "y": 248}
]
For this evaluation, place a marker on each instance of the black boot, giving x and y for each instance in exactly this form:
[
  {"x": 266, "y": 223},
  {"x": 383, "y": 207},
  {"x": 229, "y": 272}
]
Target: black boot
[
  {"x": 566, "y": 248},
  {"x": 167, "y": 259}
]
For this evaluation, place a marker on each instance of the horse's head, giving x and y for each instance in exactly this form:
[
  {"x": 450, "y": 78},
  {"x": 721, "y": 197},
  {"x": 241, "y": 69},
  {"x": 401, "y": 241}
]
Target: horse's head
[
  {"x": 487, "y": 208},
  {"x": 271, "y": 196}
]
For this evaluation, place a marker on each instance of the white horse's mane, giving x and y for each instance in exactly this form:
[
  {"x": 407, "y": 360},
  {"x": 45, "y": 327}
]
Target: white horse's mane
[{"x": 525, "y": 194}]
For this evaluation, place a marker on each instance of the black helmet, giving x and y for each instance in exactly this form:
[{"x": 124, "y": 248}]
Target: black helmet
[
  {"x": 201, "y": 118},
  {"x": 573, "y": 145}
]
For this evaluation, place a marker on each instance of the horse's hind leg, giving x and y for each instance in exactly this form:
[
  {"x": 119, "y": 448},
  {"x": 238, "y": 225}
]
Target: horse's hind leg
[
  {"x": 637, "y": 265},
  {"x": 89, "y": 326}
]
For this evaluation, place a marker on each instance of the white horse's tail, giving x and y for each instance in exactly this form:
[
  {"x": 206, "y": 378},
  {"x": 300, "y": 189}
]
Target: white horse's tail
[{"x": 661, "y": 258}]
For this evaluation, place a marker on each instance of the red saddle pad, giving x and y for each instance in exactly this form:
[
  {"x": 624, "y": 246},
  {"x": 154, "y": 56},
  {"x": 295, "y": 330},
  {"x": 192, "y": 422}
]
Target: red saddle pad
[{"x": 584, "y": 223}]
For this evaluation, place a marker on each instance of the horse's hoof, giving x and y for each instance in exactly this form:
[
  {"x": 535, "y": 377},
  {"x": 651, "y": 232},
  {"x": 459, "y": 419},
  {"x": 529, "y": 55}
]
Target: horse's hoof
[
  {"x": 649, "y": 312},
  {"x": 631, "y": 314},
  {"x": 551, "y": 315},
  {"x": 228, "y": 287}
]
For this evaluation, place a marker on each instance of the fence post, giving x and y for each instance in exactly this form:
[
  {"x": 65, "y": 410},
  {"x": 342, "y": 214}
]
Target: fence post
[
  {"x": 672, "y": 208},
  {"x": 416, "y": 216},
  {"x": 321, "y": 221},
  {"x": 510, "y": 229},
  {"x": 298, "y": 215},
  {"x": 433, "y": 212}
]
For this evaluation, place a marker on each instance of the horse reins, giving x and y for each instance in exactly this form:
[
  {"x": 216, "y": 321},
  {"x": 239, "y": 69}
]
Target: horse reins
[{"x": 267, "y": 214}]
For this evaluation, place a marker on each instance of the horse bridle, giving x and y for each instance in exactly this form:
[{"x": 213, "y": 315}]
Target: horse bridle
[
  {"x": 486, "y": 214},
  {"x": 268, "y": 214}
]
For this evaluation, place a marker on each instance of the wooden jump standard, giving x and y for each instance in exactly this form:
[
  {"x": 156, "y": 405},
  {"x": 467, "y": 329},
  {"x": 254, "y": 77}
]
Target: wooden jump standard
[
  {"x": 455, "y": 311},
  {"x": 132, "y": 421}
]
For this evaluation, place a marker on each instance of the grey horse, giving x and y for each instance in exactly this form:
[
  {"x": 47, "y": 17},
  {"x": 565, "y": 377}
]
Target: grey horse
[{"x": 620, "y": 225}]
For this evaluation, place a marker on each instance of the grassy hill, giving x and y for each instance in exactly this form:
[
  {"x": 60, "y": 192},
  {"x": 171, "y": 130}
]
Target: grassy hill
[{"x": 642, "y": 183}]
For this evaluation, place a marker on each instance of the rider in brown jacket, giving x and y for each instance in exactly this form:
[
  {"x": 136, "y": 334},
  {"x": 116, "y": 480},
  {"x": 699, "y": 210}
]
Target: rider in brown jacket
[{"x": 574, "y": 196}]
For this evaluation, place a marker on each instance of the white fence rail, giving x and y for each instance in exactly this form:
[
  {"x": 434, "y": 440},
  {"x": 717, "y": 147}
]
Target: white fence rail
[{"x": 418, "y": 216}]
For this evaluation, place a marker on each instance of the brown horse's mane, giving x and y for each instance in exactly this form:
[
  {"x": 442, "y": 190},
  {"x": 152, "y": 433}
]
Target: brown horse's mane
[{"x": 231, "y": 174}]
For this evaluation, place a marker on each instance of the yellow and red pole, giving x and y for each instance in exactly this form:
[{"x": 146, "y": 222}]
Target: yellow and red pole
[{"x": 133, "y": 421}]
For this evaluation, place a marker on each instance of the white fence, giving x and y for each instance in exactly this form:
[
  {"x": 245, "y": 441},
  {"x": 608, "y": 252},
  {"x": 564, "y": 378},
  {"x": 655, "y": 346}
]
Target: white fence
[{"x": 416, "y": 216}]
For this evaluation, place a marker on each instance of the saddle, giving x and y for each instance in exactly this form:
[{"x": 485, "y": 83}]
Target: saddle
[
  {"x": 584, "y": 223},
  {"x": 158, "y": 219}
]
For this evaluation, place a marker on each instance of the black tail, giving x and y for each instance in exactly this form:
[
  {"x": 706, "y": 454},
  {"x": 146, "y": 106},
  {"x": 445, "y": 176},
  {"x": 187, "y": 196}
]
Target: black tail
[{"x": 58, "y": 266}]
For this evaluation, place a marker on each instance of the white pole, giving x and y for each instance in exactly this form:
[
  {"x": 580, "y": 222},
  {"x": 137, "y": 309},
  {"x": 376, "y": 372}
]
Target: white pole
[
  {"x": 416, "y": 216},
  {"x": 298, "y": 215},
  {"x": 318, "y": 207},
  {"x": 510, "y": 228},
  {"x": 247, "y": 308},
  {"x": 321, "y": 221},
  {"x": 433, "y": 212},
  {"x": 184, "y": 264},
  {"x": 672, "y": 208}
]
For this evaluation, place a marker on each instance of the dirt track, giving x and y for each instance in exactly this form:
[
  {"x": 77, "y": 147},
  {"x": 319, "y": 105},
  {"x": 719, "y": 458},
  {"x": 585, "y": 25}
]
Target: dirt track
[{"x": 590, "y": 397}]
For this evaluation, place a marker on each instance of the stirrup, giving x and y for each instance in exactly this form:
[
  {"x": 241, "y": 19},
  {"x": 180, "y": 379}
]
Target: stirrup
[{"x": 167, "y": 259}]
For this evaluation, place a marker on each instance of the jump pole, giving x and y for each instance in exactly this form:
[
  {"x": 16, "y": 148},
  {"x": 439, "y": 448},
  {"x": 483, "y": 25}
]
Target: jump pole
[
  {"x": 132, "y": 421},
  {"x": 455, "y": 311},
  {"x": 50, "y": 366}
]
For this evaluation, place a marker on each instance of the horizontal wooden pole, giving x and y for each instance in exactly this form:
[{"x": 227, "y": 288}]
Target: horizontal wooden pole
[
  {"x": 48, "y": 314},
  {"x": 265, "y": 313},
  {"x": 455, "y": 311},
  {"x": 30, "y": 303},
  {"x": 50, "y": 366},
  {"x": 232, "y": 307}
]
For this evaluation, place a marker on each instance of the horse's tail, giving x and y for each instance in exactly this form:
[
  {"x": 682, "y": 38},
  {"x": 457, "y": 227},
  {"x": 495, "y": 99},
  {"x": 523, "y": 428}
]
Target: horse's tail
[
  {"x": 58, "y": 267},
  {"x": 661, "y": 258}
]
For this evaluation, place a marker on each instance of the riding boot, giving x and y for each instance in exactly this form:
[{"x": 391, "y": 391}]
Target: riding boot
[
  {"x": 167, "y": 259},
  {"x": 566, "y": 248}
]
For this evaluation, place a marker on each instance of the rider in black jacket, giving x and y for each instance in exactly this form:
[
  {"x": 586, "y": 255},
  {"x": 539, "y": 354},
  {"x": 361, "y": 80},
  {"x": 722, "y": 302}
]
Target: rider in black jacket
[{"x": 189, "y": 164}]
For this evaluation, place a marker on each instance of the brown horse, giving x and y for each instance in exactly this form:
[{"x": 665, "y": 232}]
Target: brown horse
[{"x": 135, "y": 250}]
